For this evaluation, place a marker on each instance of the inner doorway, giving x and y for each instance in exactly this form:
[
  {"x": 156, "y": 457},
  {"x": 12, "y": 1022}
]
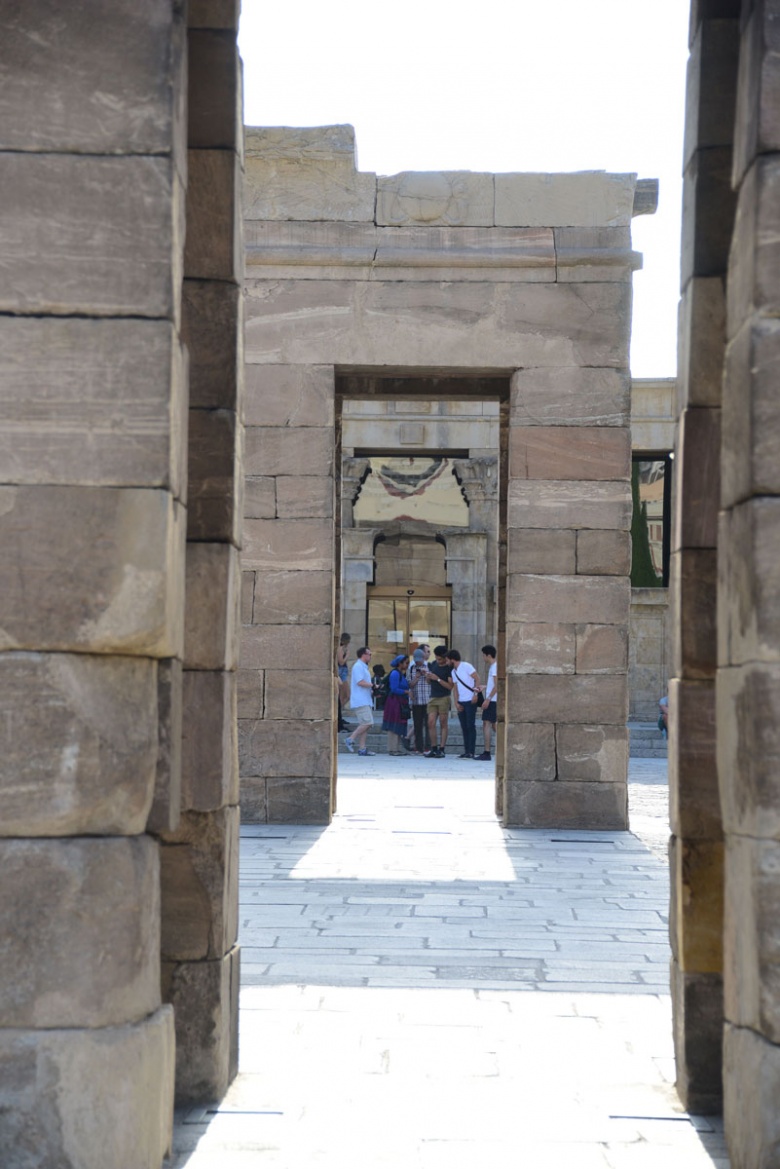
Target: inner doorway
[{"x": 401, "y": 619}]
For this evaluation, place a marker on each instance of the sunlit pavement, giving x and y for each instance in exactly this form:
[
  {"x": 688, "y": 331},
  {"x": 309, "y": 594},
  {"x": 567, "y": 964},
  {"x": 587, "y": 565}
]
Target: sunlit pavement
[{"x": 423, "y": 988}]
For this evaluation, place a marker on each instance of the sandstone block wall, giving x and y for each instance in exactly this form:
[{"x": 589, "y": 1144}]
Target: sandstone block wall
[
  {"x": 93, "y": 441},
  {"x": 422, "y": 276},
  {"x": 747, "y": 705},
  {"x": 696, "y": 852},
  {"x": 199, "y": 851},
  {"x": 120, "y": 494}
]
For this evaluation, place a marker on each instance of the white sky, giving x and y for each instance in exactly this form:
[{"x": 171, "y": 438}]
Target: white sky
[{"x": 497, "y": 85}]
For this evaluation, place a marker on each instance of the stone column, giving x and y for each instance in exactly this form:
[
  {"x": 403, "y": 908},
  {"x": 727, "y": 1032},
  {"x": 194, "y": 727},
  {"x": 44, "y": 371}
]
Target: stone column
[
  {"x": 93, "y": 398},
  {"x": 357, "y": 569},
  {"x": 478, "y": 478},
  {"x": 748, "y": 683},
  {"x": 199, "y": 856},
  {"x": 467, "y": 574},
  {"x": 286, "y": 723},
  {"x": 696, "y": 847}
]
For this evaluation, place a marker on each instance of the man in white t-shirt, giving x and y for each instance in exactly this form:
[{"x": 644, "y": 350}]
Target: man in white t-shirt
[
  {"x": 361, "y": 700},
  {"x": 489, "y": 708},
  {"x": 466, "y": 690}
]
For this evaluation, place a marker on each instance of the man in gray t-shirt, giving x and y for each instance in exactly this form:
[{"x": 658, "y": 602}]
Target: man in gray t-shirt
[{"x": 439, "y": 673}]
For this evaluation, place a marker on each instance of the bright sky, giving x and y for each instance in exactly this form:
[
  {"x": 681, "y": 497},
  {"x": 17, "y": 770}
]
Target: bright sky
[{"x": 498, "y": 85}]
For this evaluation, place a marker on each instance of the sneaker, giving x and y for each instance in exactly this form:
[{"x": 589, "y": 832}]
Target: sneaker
[
  {"x": 431, "y": 753},
  {"x": 349, "y": 743},
  {"x": 439, "y": 752},
  {"x": 365, "y": 752},
  {"x": 465, "y": 755},
  {"x": 485, "y": 756}
]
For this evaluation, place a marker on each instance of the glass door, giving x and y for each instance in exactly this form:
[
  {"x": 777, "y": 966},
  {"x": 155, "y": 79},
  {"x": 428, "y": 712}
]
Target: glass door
[{"x": 401, "y": 619}]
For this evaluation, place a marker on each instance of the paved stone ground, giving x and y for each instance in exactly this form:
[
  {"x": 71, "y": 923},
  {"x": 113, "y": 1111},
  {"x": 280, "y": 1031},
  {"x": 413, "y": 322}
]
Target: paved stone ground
[{"x": 423, "y": 988}]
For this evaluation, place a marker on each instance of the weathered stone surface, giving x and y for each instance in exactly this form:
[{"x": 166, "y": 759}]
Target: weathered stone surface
[
  {"x": 751, "y": 434},
  {"x": 697, "y": 1022},
  {"x": 215, "y": 487},
  {"x": 534, "y": 550},
  {"x": 306, "y": 174},
  {"x": 711, "y": 86},
  {"x": 755, "y": 251},
  {"x": 463, "y": 325},
  {"x": 588, "y": 198},
  {"x": 204, "y": 996},
  {"x": 247, "y": 597},
  {"x": 78, "y": 739},
  {"x": 295, "y": 598},
  {"x": 600, "y": 600},
  {"x": 250, "y": 686},
  {"x": 289, "y": 395},
  {"x": 546, "y": 504},
  {"x": 751, "y": 1084},
  {"x": 648, "y": 652},
  {"x": 363, "y": 251},
  {"x": 254, "y": 800},
  {"x": 569, "y": 452},
  {"x": 578, "y": 698},
  {"x": 59, "y": 1101},
  {"x": 603, "y": 553},
  {"x": 696, "y": 904},
  {"x": 79, "y": 931},
  {"x": 758, "y": 93},
  {"x": 91, "y": 569},
  {"x": 602, "y": 649},
  {"x": 653, "y": 413},
  {"x": 63, "y": 97},
  {"x": 454, "y": 198},
  {"x": 212, "y": 324},
  {"x": 702, "y": 340},
  {"x": 213, "y": 14},
  {"x": 299, "y": 801},
  {"x": 166, "y": 803},
  {"x": 697, "y": 479},
  {"x": 530, "y": 751},
  {"x": 199, "y": 884},
  {"x": 694, "y": 808},
  {"x": 748, "y": 720},
  {"x": 283, "y": 748},
  {"x": 543, "y": 648},
  {"x": 118, "y": 393},
  {"x": 213, "y": 247},
  {"x": 748, "y": 598},
  {"x": 583, "y": 254},
  {"x": 304, "y": 497},
  {"x": 294, "y": 545},
  {"x": 751, "y": 937},
  {"x": 209, "y": 773},
  {"x": 709, "y": 205},
  {"x": 212, "y": 614},
  {"x": 214, "y": 90},
  {"x": 296, "y": 693},
  {"x": 569, "y": 396},
  {"x": 289, "y": 450},
  {"x": 582, "y": 806},
  {"x": 259, "y": 498},
  {"x": 694, "y": 579},
  {"x": 592, "y": 754},
  {"x": 72, "y": 222},
  {"x": 287, "y": 647}
]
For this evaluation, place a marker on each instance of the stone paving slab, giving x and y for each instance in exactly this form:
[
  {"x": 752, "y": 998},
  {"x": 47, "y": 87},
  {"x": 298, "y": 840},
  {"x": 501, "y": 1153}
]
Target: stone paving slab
[{"x": 423, "y": 988}]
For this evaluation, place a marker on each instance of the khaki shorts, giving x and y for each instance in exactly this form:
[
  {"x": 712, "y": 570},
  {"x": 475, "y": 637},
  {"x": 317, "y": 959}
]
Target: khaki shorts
[
  {"x": 439, "y": 705},
  {"x": 364, "y": 715}
]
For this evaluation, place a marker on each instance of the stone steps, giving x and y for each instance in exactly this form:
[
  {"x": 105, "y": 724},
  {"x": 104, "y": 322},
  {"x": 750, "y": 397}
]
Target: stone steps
[{"x": 646, "y": 741}]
